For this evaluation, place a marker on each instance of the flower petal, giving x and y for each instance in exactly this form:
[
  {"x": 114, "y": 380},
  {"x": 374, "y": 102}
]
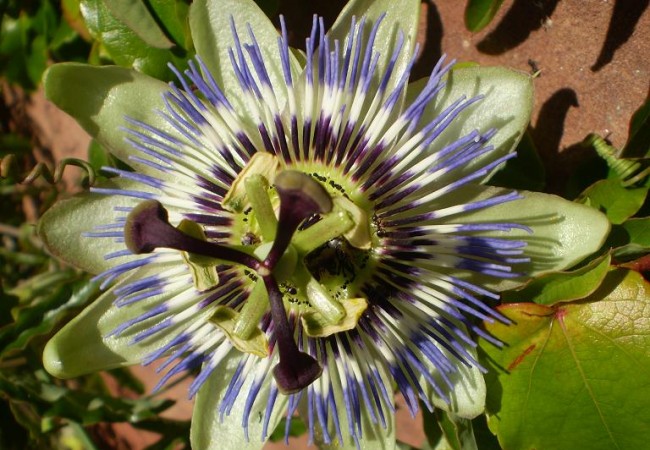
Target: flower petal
[
  {"x": 100, "y": 98},
  {"x": 563, "y": 232},
  {"x": 223, "y": 405},
  {"x": 63, "y": 226},
  {"x": 86, "y": 345},
  {"x": 402, "y": 16},
  {"x": 210, "y": 23},
  {"x": 506, "y": 106}
]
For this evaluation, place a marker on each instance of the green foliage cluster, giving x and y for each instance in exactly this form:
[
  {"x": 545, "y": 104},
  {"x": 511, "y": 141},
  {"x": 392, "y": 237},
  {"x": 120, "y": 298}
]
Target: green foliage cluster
[{"x": 573, "y": 372}]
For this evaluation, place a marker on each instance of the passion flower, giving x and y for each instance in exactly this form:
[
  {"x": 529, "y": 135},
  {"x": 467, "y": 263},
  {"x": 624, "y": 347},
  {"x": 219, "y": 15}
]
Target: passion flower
[{"x": 306, "y": 233}]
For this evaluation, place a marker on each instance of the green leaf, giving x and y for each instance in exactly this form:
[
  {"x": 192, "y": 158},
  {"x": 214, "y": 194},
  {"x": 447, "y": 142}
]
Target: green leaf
[
  {"x": 573, "y": 375},
  {"x": 210, "y": 426},
  {"x": 617, "y": 202},
  {"x": 638, "y": 140},
  {"x": 135, "y": 15},
  {"x": 72, "y": 15},
  {"x": 402, "y": 16},
  {"x": 506, "y": 106},
  {"x": 125, "y": 378},
  {"x": 87, "y": 344},
  {"x": 124, "y": 46},
  {"x": 172, "y": 15},
  {"x": 555, "y": 287},
  {"x": 485, "y": 439},
  {"x": 101, "y": 99},
  {"x": 444, "y": 430},
  {"x": 563, "y": 232},
  {"x": 210, "y": 22},
  {"x": 37, "y": 59},
  {"x": 296, "y": 428},
  {"x": 43, "y": 312},
  {"x": 479, "y": 13},
  {"x": 85, "y": 405},
  {"x": 98, "y": 157},
  {"x": 636, "y": 239}
]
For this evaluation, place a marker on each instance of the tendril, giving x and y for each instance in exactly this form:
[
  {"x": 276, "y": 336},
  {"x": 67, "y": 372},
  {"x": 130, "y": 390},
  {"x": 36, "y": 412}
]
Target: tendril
[
  {"x": 9, "y": 169},
  {"x": 628, "y": 170}
]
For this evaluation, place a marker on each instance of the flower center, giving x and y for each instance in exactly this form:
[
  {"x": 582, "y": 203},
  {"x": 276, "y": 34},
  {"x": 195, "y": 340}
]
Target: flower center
[{"x": 301, "y": 246}]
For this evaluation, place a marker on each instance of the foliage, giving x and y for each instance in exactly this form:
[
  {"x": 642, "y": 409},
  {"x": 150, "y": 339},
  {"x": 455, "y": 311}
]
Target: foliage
[{"x": 576, "y": 350}]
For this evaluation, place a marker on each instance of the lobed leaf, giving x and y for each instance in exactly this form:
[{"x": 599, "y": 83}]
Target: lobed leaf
[{"x": 565, "y": 376}]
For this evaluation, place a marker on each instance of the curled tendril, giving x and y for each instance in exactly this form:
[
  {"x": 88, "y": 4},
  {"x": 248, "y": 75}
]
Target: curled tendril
[
  {"x": 630, "y": 171},
  {"x": 9, "y": 169}
]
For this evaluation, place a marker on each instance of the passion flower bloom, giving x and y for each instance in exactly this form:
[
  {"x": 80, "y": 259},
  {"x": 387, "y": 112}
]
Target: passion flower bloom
[{"x": 308, "y": 233}]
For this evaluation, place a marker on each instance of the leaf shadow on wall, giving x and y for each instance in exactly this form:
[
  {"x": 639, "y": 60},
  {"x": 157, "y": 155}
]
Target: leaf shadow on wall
[{"x": 524, "y": 17}]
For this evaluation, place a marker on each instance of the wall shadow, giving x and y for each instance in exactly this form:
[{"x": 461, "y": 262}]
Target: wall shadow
[
  {"x": 524, "y": 17},
  {"x": 547, "y": 133},
  {"x": 621, "y": 27},
  {"x": 431, "y": 50},
  {"x": 298, "y": 16}
]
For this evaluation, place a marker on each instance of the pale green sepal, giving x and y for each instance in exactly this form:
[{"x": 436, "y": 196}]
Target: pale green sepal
[
  {"x": 85, "y": 344},
  {"x": 210, "y": 22},
  {"x": 399, "y": 16},
  {"x": 256, "y": 344},
  {"x": 261, "y": 163},
  {"x": 100, "y": 98},
  {"x": 375, "y": 436},
  {"x": 506, "y": 106},
  {"x": 467, "y": 394},
  {"x": 316, "y": 325},
  {"x": 359, "y": 236},
  {"x": 212, "y": 430},
  {"x": 563, "y": 232},
  {"x": 467, "y": 398},
  {"x": 203, "y": 268},
  {"x": 62, "y": 227}
]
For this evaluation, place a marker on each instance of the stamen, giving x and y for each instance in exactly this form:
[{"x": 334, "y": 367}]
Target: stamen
[{"x": 147, "y": 228}]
